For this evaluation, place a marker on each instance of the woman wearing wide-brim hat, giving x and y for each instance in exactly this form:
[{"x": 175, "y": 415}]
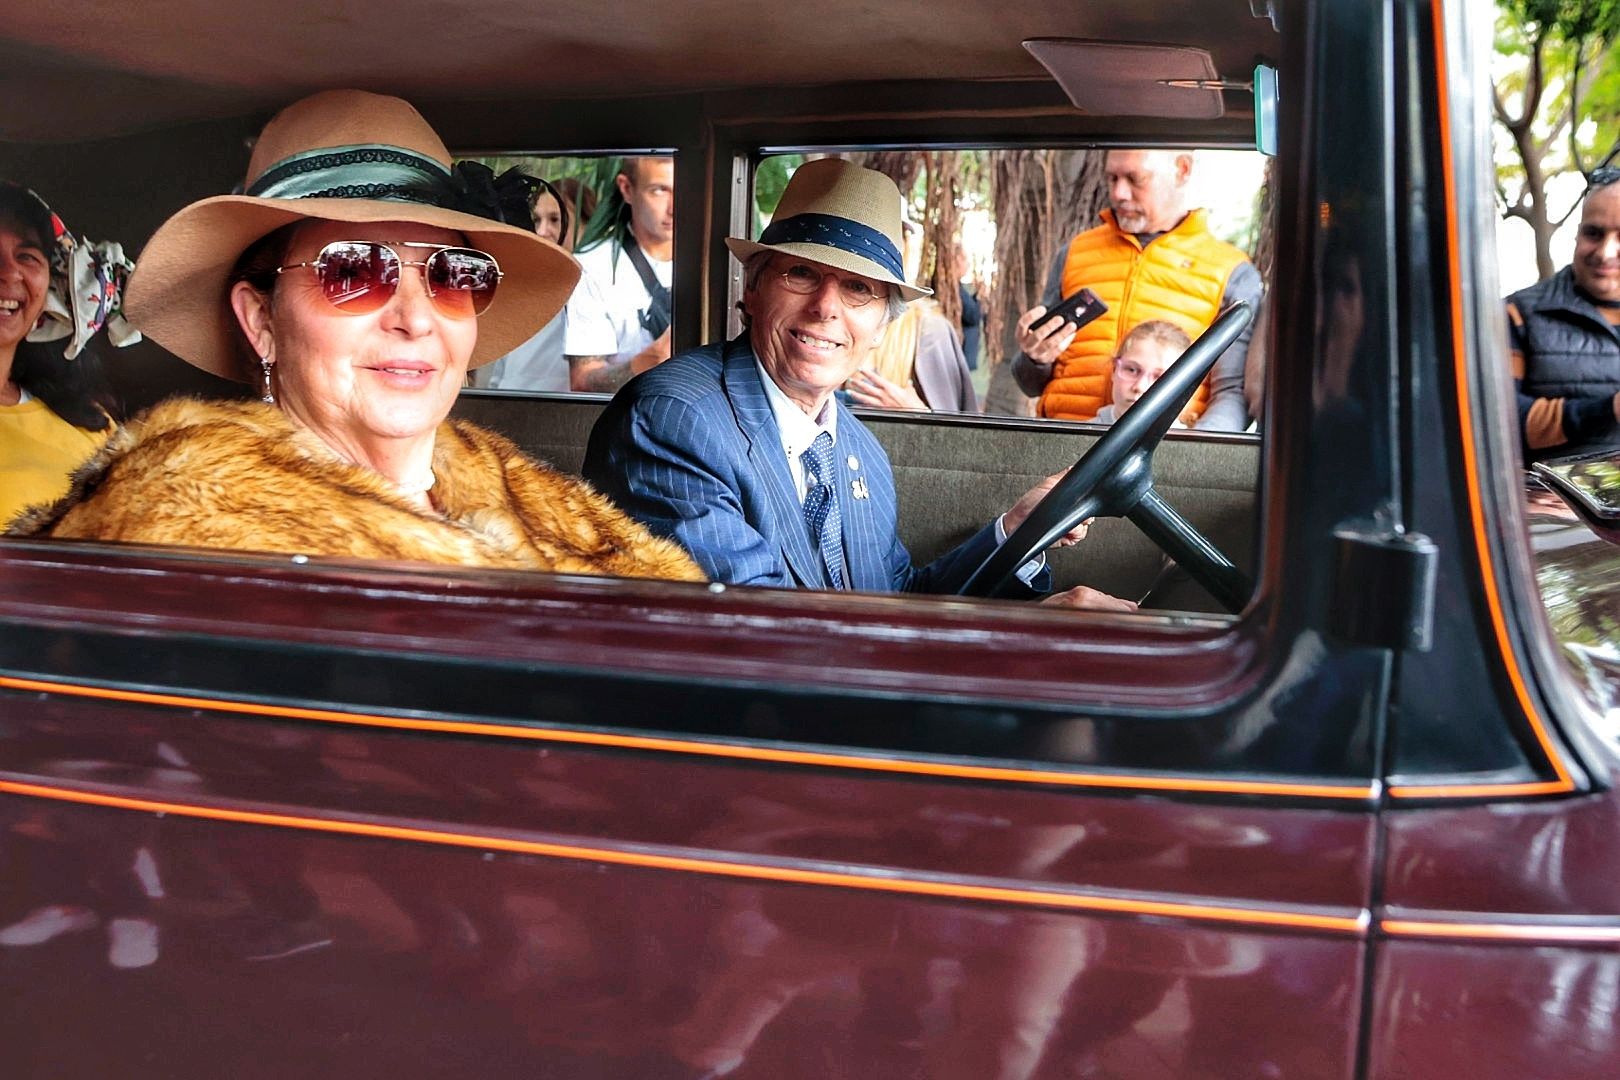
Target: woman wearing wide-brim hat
[{"x": 354, "y": 282}]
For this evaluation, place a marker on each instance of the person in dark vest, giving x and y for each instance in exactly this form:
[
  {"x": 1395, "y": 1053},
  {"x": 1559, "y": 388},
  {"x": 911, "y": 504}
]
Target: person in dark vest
[
  {"x": 1153, "y": 257},
  {"x": 972, "y": 308},
  {"x": 1564, "y": 334}
]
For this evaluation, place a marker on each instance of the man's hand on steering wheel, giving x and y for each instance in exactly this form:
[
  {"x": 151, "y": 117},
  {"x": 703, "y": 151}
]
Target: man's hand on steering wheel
[
  {"x": 1083, "y": 596},
  {"x": 1115, "y": 478},
  {"x": 1030, "y": 500}
]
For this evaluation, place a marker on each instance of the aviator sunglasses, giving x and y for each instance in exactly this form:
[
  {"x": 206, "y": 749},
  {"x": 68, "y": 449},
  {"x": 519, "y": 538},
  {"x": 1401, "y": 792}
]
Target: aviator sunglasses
[{"x": 359, "y": 277}]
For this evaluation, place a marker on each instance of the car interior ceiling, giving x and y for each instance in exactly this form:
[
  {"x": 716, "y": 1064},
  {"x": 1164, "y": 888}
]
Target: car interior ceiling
[{"x": 175, "y": 61}]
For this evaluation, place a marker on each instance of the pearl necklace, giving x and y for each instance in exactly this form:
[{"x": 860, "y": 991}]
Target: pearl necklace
[{"x": 420, "y": 487}]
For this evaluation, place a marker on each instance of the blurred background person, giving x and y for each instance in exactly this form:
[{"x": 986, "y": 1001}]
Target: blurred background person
[
  {"x": 917, "y": 362},
  {"x": 56, "y": 291},
  {"x": 580, "y": 333},
  {"x": 1564, "y": 338},
  {"x": 972, "y": 307},
  {"x": 553, "y": 213},
  {"x": 628, "y": 250}
]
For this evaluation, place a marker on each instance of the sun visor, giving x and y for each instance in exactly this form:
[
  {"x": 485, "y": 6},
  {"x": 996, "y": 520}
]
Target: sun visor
[{"x": 1110, "y": 78}]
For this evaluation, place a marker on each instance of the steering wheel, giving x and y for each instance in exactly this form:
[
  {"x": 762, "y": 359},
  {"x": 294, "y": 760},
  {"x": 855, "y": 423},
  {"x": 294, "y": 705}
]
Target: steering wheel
[{"x": 1114, "y": 478}]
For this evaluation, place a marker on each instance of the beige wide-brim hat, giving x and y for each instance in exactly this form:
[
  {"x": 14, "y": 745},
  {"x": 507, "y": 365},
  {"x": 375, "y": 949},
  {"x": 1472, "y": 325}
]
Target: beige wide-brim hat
[
  {"x": 341, "y": 155},
  {"x": 841, "y": 215}
]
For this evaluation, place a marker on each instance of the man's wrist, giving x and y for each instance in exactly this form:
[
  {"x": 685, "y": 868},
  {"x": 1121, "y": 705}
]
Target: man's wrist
[{"x": 1027, "y": 572}]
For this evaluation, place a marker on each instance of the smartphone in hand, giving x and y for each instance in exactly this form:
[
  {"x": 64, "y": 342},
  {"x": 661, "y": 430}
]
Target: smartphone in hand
[{"x": 1080, "y": 308}]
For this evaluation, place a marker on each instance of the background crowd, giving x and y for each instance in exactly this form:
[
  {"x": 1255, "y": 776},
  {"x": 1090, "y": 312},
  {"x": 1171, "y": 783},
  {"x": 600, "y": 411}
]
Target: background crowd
[{"x": 938, "y": 354}]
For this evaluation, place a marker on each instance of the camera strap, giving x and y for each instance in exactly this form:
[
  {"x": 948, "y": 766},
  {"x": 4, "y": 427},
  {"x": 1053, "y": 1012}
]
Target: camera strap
[{"x": 659, "y": 312}]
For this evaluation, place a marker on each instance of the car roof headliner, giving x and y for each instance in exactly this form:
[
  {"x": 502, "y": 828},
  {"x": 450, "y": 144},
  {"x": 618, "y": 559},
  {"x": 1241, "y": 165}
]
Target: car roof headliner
[{"x": 83, "y": 69}]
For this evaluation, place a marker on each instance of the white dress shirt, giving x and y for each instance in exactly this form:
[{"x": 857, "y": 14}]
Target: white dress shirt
[{"x": 797, "y": 428}]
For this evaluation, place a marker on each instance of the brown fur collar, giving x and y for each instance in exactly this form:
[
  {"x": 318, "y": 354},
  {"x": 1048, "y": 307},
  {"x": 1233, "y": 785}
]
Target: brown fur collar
[{"x": 239, "y": 475}]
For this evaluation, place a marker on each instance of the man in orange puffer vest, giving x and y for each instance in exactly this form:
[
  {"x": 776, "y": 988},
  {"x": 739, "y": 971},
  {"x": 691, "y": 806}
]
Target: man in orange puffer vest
[{"x": 1151, "y": 258}]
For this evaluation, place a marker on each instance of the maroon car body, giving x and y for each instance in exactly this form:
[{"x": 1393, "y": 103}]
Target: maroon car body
[{"x": 388, "y": 821}]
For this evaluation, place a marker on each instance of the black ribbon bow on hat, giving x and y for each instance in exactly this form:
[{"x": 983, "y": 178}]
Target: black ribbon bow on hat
[{"x": 475, "y": 189}]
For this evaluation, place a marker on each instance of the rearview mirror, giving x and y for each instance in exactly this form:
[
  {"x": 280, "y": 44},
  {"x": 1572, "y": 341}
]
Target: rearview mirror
[{"x": 1265, "y": 109}]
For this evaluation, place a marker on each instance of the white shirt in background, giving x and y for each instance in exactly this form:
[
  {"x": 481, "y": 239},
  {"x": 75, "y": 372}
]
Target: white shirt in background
[
  {"x": 582, "y": 328},
  {"x": 626, "y": 298}
]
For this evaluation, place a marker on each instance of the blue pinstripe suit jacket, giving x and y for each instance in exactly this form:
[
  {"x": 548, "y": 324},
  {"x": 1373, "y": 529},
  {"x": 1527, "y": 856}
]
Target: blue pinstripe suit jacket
[{"x": 692, "y": 450}]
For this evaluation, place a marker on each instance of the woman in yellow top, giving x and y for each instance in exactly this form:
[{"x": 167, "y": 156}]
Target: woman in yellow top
[{"x": 54, "y": 409}]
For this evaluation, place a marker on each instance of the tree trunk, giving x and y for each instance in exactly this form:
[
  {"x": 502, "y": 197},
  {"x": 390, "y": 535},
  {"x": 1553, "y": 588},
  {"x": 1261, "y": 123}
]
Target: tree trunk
[
  {"x": 1042, "y": 198},
  {"x": 901, "y": 166},
  {"x": 942, "y": 222},
  {"x": 1534, "y": 206}
]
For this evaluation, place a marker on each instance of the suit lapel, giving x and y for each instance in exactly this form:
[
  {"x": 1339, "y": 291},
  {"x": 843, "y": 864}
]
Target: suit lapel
[
  {"x": 758, "y": 424},
  {"x": 864, "y": 558}
]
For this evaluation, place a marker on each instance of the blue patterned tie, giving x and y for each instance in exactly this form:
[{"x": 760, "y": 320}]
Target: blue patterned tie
[{"x": 821, "y": 507}]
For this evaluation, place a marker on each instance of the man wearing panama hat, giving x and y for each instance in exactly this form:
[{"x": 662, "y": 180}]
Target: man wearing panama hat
[{"x": 741, "y": 452}]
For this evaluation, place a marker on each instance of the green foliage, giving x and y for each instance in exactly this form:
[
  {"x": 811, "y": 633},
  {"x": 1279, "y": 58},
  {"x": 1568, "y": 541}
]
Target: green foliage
[
  {"x": 1566, "y": 20},
  {"x": 1602, "y": 104},
  {"x": 595, "y": 173},
  {"x": 1558, "y": 101},
  {"x": 769, "y": 180},
  {"x": 584, "y": 169},
  {"x": 612, "y": 218},
  {"x": 1244, "y": 232}
]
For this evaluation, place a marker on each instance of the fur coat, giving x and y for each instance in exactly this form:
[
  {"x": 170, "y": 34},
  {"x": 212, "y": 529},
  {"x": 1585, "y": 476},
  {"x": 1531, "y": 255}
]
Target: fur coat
[{"x": 239, "y": 475}]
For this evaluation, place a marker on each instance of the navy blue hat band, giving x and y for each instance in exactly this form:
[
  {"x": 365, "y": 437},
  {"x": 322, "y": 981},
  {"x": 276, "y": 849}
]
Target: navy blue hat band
[{"x": 837, "y": 232}]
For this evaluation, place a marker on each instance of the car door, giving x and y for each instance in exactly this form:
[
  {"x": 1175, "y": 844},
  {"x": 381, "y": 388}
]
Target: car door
[
  {"x": 411, "y": 798},
  {"x": 263, "y": 815}
]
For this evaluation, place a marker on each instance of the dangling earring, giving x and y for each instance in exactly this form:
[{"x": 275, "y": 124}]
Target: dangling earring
[{"x": 269, "y": 397}]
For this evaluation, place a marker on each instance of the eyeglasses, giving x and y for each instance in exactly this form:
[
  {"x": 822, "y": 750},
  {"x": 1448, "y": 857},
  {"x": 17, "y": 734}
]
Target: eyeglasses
[
  {"x": 1130, "y": 370},
  {"x": 1602, "y": 176},
  {"x": 360, "y": 276},
  {"x": 802, "y": 278}
]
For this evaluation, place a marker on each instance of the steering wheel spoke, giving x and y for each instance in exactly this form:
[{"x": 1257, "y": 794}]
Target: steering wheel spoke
[
  {"x": 1114, "y": 478},
  {"x": 1192, "y": 551}
]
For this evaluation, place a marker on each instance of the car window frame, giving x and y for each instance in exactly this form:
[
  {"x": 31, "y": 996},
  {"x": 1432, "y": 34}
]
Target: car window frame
[
  {"x": 895, "y": 648},
  {"x": 1038, "y": 679}
]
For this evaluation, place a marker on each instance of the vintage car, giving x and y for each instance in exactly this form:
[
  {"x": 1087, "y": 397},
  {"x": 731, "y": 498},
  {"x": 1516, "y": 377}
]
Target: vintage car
[{"x": 1348, "y": 812}]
